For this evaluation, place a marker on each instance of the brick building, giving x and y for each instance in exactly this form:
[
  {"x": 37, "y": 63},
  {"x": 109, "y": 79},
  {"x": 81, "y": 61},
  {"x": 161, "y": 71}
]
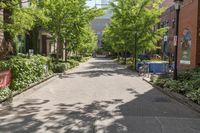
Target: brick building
[
  {"x": 168, "y": 20},
  {"x": 38, "y": 41},
  {"x": 189, "y": 32},
  {"x": 189, "y": 35}
]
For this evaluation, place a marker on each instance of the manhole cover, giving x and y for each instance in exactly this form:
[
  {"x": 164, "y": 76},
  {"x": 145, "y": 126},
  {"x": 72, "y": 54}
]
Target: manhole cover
[{"x": 161, "y": 100}]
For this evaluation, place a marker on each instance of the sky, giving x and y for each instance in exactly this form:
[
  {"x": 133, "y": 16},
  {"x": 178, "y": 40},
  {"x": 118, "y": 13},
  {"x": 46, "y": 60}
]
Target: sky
[{"x": 91, "y": 3}]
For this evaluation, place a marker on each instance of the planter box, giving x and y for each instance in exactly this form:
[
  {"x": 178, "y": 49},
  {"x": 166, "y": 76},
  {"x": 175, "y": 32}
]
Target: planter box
[{"x": 5, "y": 78}]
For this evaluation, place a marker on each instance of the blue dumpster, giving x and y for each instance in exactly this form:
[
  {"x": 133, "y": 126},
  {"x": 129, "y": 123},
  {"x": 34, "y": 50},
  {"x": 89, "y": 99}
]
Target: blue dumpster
[{"x": 155, "y": 67}]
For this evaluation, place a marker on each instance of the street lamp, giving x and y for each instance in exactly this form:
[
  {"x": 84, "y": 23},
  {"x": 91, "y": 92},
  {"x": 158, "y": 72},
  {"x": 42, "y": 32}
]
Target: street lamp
[{"x": 177, "y": 8}]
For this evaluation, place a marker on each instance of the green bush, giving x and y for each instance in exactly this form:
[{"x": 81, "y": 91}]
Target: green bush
[
  {"x": 194, "y": 95},
  {"x": 73, "y": 63},
  {"x": 160, "y": 81},
  {"x": 5, "y": 92},
  {"x": 188, "y": 84},
  {"x": 77, "y": 58},
  {"x": 59, "y": 68},
  {"x": 84, "y": 59},
  {"x": 172, "y": 85},
  {"x": 26, "y": 70},
  {"x": 196, "y": 84},
  {"x": 67, "y": 65},
  {"x": 185, "y": 75}
]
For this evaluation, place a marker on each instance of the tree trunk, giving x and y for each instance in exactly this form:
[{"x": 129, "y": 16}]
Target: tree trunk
[
  {"x": 133, "y": 60},
  {"x": 66, "y": 51},
  {"x": 7, "y": 13},
  {"x": 125, "y": 57},
  {"x": 118, "y": 56},
  {"x": 63, "y": 51},
  {"x": 135, "y": 53},
  {"x": 58, "y": 49}
]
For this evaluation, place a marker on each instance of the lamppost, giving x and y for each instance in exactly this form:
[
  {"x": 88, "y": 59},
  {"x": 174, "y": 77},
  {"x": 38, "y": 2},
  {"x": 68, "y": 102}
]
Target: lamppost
[{"x": 177, "y": 8}]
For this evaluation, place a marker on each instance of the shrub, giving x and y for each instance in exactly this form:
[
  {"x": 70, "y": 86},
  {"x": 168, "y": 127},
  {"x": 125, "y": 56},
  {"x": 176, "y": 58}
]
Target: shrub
[
  {"x": 59, "y": 68},
  {"x": 185, "y": 75},
  {"x": 196, "y": 84},
  {"x": 194, "y": 95},
  {"x": 26, "y": 70},
  {"x": 188, "y": 84},
  {"x": 73, "y": 63},
  {"x": 84, "y": 59},
  {"x": 67, "y": 65},
  {"x": 5, "y": 92},
  {"x": 173, "y": 85},
  {"x": 160, "y": 81},
  {"x": 77, "y": 58}
]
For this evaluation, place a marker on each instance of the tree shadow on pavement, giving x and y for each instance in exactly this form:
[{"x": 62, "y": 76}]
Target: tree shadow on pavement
[
  {"x": 151, "y": 112},
  {"x": 98, "y": 73},
  {"x": 102, "y": 68},
  {"x": 21, "y": 119},
  {"x": 154, "y": 112},
  {"x": 69, "y": 118},
  {"x": 139, "y": 111}
]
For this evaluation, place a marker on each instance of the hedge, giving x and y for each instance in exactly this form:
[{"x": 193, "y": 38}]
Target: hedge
[
  {"x": 26, "y": 70},
  {"x": 188, "y": 84},
  {"x": 69, "y": 64}
]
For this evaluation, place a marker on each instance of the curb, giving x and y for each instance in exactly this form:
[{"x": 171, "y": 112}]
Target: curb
[
  {"x": 178, "y": 97},
  {"x": 15, "y": 93}
]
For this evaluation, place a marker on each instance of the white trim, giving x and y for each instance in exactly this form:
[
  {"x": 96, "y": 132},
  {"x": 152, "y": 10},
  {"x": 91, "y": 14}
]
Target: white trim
[{"x": 185, "y": 62}]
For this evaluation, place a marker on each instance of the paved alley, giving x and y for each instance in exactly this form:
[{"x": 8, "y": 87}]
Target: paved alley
[{"x": 99, "y": 96}]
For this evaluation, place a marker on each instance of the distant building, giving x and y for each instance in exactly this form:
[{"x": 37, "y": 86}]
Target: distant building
[
  {"x": 99, "y": 23},
  {"x": 167, "y": 19}
]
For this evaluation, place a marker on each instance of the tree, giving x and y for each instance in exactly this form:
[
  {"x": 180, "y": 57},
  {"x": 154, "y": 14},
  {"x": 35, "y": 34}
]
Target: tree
[
  {"x": 67, "y": 21},
  {"x": 19, "y": 19},
  {"x": 134, "y": 21},
  {"x": 88, "y": 41}
]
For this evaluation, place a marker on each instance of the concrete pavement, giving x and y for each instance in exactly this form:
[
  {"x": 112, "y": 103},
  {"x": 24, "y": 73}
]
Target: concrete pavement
[{"x": 100, "y": 96}]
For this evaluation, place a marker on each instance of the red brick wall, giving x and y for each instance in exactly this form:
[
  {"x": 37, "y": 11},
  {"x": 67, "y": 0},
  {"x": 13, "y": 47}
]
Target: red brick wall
[
  {"x": 198, "y": 38},
  {"x": 188, "y": 19}
]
